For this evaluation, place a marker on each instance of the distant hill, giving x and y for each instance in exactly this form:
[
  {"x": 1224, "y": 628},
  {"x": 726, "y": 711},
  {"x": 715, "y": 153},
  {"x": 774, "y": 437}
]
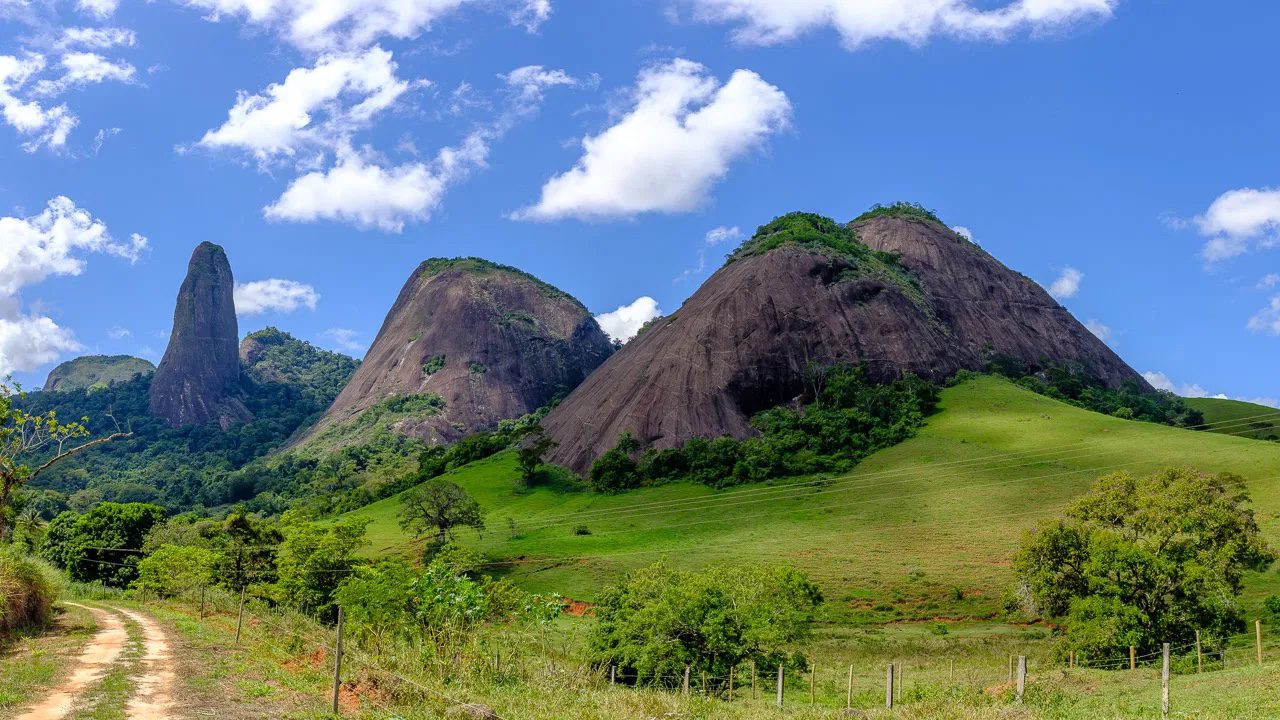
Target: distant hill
[
  {"x": 468, "y": 343},
  {"x": 895, "y": 290},
  {"x": 96, "y": 372},
  {"x": 1246, "y": 419}
]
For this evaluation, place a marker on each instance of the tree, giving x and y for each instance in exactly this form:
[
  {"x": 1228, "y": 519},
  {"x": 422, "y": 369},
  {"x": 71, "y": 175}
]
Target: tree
[
  {"x": 102, "y": 544},
  {"x": 439, "y": 506},
  {"x": 24, "y": 434},
  {"x": 533, "y": 446},
  {"x": 658, "y": 620},
  {"x": 314, "y": 559},
  {"x": 174, "y": 569},
  {"x": 1145, "y": 560}
]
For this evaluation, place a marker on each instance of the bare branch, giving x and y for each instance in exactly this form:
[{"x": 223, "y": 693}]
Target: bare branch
[{"x": 74, "y": 450}]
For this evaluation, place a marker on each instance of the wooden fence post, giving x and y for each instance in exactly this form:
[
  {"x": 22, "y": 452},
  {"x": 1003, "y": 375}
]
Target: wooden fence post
[
  {"x": 813, "y": 671},
  {"x": 337, "y": 664},
  {"x": 780, "y": 684},
  {"x": 1071, "y": 662},
  {"x": 1199, "y": 655},
  {"x": 240, "y": 617},
  {"x": 730, "y": 684},
  {"x": 1010, "y": 668},
  {"x": 754, "y": 695},
  {"x": 1164, "y": 684},
  {"x": 848, "y": 696},
  {"x": 685, "y": 686},
  {"x": 704, "y": 683},
  {"x": 202, "y": 589},
  {"x": 1133, "y": 658},
  {"x": 1022, "y": 676},
  {"x": 888, "y": 689},
  {"x": 951, "y": 670},
  {"x": 613, "y": 675},
  {"x": 1257, "y": 628}
]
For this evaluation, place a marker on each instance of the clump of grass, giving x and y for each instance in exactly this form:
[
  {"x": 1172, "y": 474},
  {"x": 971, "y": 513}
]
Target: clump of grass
[{"x": 28, "y": 588}]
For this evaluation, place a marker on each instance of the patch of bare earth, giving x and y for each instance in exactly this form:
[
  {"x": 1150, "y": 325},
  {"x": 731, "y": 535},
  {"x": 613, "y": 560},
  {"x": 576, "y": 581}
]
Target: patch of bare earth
[
  {"x": 90, "y": 666},
  {"x": 153, "y": 693}
]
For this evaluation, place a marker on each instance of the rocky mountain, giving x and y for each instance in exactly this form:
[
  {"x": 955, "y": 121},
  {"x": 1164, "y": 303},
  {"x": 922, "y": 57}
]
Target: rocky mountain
[
  {"x": 196, "y": 380},
  {"x": 271, "y": 355},
  {"x": 468, "y": 343},
  {"x": 896, "y": 290},
  {"x": 95, "y": 372}
]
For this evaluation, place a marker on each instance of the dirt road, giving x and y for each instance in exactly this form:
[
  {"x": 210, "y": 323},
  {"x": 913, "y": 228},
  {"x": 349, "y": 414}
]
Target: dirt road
[{"x": 153, "y": 684}]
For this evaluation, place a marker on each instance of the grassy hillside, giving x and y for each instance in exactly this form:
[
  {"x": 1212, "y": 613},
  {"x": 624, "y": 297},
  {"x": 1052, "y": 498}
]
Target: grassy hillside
[
  {"x": 1240, "y": 418},
  {"x": 922, "y": 529}
]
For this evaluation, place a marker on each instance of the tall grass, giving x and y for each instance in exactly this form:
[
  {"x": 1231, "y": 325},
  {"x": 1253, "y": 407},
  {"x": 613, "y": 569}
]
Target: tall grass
[{"x": 28, "y": 588}]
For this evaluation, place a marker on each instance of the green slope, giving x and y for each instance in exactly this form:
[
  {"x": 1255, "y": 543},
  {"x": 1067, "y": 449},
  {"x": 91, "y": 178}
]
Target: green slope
[
  {"x": 922, "y": 529},
  {"x": 1241, "y": 418}
]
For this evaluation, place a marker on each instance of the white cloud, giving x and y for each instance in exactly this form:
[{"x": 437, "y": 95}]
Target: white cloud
[
  {"x": 44, "y": 126},
  {"x": 86, "y": 68},
  {"x": 963, "y": 232},
  {"x": 344, "y": 338},
  {"x": 1269, "y": 281},
  {"x": 349, "y": 89},
  {"x": 98, "y": 8},
  {"x": 1100, "y": 330},
  {"x": 1267, "y": 319},
  {"x": 360, "y": 191},
  {"x": 27, "y": 80},
  {"x": 678, "y": 140},
  {"x": 327, "y": 25},
  {"x": 623, "y": 324},
  {"x": 1160, "y": 381},
  {"x": 722, "y": 234},
  {"x": 769, "y": 22},
  {"x": 274, "y": 295},
  {"x": 1067, "y": 284},
  {"x": 96, "y": 38},
  {"x": 1238, "y": 218},
  {"x": 118, "y": 333},
  {"x": 50, "y": 243}
]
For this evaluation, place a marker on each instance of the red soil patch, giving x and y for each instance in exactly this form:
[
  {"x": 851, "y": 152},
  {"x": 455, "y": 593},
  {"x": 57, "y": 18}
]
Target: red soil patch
[{"x": 577, "y": 608}]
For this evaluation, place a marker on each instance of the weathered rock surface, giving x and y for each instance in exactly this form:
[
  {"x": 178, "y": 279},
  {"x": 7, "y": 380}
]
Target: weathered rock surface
[
  {"x": 490, "y": 341},
  {"x": 197, "y": 379},
  {"x": 743, "y": 341},
  {"x": 96, "y": 371}
]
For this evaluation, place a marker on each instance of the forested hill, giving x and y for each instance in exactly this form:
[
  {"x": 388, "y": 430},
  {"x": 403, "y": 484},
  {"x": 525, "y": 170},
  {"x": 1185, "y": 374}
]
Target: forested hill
[{"x": 285, "y": 383}]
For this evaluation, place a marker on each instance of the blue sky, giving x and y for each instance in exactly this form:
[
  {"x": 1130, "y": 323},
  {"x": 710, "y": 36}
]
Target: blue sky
[{"x": 1122, "y": 152}]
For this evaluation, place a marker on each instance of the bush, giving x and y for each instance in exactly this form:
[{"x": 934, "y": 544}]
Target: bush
[
  {"x": 101, "y": 544},
  {"x": 175, "y": 569},
  {"x": 28, "y": 588}
]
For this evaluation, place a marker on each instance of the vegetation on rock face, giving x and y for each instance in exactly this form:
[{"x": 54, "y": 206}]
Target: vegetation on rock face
[
  {"x": 1071, "y": 383},
  {"x": 96, "y": 372},
  {"x": 1145, "y": 560},
  {"x": 658, "y": 621},
  {"x": 434, "y": 266},
  {"x": 846, "y": 418},
  {"x": 286, "y": 385},
  {"x": 901, "y": 209}
]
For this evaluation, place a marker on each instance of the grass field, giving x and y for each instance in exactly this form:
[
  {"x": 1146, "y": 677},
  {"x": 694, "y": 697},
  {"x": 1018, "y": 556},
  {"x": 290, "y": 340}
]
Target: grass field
[
  {"x": 1240, "y": 418},
  {"x": 922, "y": 530}
]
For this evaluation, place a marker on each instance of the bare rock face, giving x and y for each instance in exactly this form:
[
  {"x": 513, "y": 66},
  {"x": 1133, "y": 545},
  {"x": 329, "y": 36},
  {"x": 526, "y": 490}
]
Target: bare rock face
[
  {"x": 196, "y": 381},
  {"x": 910, "y": 297},
  {"x": 94, "y": 372},
  {"x": 468, "y": 343}
]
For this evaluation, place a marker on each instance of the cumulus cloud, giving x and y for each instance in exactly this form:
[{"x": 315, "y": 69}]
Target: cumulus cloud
[
  {"x": 348, "y": 89},
  {"x": 344, "y": 338},
  {"x": 86, "y": 68},
  {"x": 1067, "y": 283},
  {"x": 327, "y": 25},
  {"x": 274, "y": 295},
  {"x": 1160, "y": 381},
  {"x": 683, "y": 132},
  {"x": 363, "y": 192},
  {"x": 1238, "y": 219},
  {"x": 118, "y": 333},
  {"x": 1269, "y": 281},
  {"x": 769, "y": 22},
  {"x": 50, "y": 243},
  {"x": 98, "y": 8},
  {"x": 96, "y": 38},
  {"x": 43, "y": 126},
  {"x": 622, "y": 324},
  {"x": 963, "y": 232},
  {"x": 722, "y": 234},
  {"x": 1267, "y": 320}
]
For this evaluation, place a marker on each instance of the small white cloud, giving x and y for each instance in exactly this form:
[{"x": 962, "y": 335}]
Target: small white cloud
[
  {"x": 118, "y": 333},
  {"x": 98, "y": 8},
  {"x": 95, "y": 38},
  {"x": 274, "y": 295},
  {"x": 963, "y": 232},
  {"x": 1237, "y": 219},
  {"x": 859, "y": 22},
  {"x": 345, "y": 339},
  {"x": 1101, "y": 331},
  {"x": 1267, "y": 320},
  {"x": 722, "y": 234},
  {"x": 683, "y": 132},
  {"x": 1160, "y": 381},
  {"x": 623, "y": 324},
  {"x": 1067, "y": 284},
  {"x": 1269, "y": 281}
]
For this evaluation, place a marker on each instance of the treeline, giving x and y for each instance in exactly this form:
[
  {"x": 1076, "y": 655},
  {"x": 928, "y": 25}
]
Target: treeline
[{"x": 845, "y": 418}]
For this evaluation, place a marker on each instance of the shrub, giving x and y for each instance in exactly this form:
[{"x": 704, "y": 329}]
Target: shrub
[
  {"x": 28, "y": 588},
  {"x": 175, "y": 569}
]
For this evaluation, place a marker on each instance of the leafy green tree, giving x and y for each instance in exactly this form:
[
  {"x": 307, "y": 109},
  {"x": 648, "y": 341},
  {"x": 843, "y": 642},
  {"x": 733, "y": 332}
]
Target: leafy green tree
[
  {"x": 1144, "y": 560},
  {"x": 174, "y": 569},
  {"x": 439, "y": 506},
  {"x": 25, "y": 436},
  {"x": 532, "y": 447},
  {"x": 314, "y": 559},
  {"x": 102, "y": 544},
  {"x": 658, "y": 620}
]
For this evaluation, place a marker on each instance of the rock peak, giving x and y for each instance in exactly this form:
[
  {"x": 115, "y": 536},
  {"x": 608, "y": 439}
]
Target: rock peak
[{"x": 198, "y": 376}]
